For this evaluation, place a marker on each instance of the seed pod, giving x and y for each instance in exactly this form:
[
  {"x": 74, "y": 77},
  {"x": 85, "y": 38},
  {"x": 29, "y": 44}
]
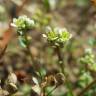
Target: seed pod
[
  {"x": 11, "y": 88},
  {"x": 51, "y": 81},
  {"x": 10, "y": 84},
  {"x": 59, "y": 78}
]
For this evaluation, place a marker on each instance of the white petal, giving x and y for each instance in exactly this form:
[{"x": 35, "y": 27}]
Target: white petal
[
  {"x": 44, "y": 35},
  {"x": 13, "y": 25}
]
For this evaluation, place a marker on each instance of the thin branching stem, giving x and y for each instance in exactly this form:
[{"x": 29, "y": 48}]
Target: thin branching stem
[
  {"x": 30, "y": 54},
  {"x": 60, "y": 59},
  {"x": 87, "y": 88},
  {"x": 52, "y": 90},
  {"x": 62, "y": 67}
]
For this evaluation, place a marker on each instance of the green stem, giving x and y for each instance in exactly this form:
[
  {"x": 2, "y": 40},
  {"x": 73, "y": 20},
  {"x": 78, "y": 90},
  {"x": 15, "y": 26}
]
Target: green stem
[
  {"x": 60, "y": 59},
  {"x": 29, "y": 52},
  {"x": 61, "y": 64}
]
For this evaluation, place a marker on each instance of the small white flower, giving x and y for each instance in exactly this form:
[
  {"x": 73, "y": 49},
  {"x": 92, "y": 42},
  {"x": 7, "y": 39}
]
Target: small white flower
[
  {"x": 35, "y": 80},
  {"x": 13, "y": 25},
  {"x": 44, "y": 35},
  {"x": 60, "y": 30},
  {"x": 31, "y": 22}
]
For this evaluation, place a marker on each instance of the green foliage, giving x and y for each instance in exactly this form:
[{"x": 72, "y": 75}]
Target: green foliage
[
  {"x": 92, "y": 41},
  {"x": 84, "y": 79}
]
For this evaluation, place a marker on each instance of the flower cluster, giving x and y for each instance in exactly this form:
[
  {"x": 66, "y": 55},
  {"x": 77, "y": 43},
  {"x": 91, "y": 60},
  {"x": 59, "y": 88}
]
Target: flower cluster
[
  {"x": 57, "y": 35},
  {"x": 23, "y": 23},
  {"x": 89, "y": 59}
]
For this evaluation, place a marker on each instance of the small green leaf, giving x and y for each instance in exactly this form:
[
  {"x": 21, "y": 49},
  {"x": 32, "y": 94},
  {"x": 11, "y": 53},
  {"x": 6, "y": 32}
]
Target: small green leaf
[
  {"x": 46, "y": 4},
  {"x": 23, "y": 42}
]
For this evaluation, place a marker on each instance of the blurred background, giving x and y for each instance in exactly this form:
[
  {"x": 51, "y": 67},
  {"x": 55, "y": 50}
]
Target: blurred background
[{"x": 78, "y": 16}]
